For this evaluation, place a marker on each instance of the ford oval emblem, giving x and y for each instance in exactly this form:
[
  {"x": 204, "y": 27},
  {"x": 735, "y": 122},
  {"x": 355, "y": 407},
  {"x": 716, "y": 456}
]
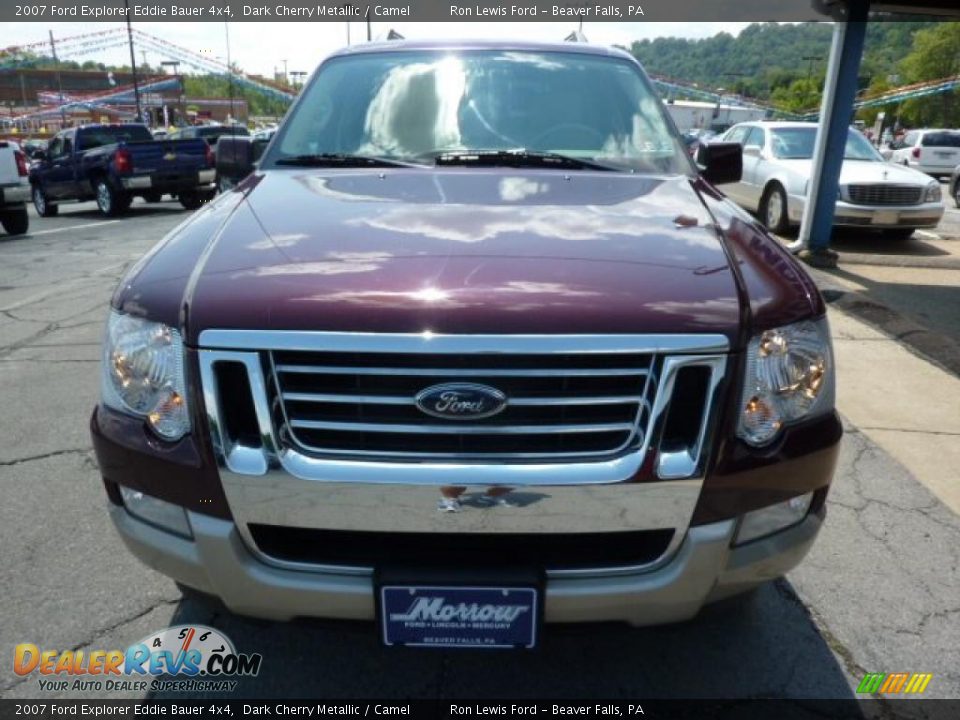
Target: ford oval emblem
[{"x": 461, "y": 401}]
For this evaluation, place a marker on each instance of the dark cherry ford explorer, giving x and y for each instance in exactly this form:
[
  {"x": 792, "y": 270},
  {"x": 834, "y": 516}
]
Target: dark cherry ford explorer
[{"x": 474, "y": 346}]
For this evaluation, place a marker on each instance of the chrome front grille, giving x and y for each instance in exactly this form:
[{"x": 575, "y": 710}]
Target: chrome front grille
[
  {"x": 885, "y": 194},
  {"x": 560, "y": 405},
  {"x": 661, "y": 393}
]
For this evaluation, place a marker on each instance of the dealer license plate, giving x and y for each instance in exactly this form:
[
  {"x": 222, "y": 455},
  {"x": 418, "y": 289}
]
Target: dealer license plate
[
  {"x": 469, "y": 617},
  {"x": 886, "y": 217}
]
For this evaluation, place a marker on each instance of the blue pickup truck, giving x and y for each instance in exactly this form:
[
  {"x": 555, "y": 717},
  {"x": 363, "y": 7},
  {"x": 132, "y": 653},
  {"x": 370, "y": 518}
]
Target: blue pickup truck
[{"x": 112, "y": 164}]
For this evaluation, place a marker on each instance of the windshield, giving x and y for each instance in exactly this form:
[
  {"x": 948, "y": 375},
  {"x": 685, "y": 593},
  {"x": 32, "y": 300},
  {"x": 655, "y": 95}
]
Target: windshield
[
  {"x": 415, "y": 105},
  {"x": 95, "y": 137},
  {"x": 796, "y": 143}
]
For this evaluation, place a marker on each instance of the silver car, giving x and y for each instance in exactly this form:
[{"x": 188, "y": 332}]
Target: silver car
[{"x": 874, "y": 194}]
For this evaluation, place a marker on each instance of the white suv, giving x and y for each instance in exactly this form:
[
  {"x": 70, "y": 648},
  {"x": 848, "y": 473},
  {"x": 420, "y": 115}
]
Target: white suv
[
  {"x": 935, "y": 152},
  {"x": 14, "y": 188}
]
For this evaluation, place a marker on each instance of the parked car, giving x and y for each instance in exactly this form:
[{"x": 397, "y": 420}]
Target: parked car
[
  {"x": 112, "y": 164},
  {"x": 693, "y": 139},
  {"x": 463, "y": 350},
  {"x": 32, "y": 147},
  {"x": 873, "y": 194},
  {"x": 934, "y": 152},
  {"x": 264, "y": 133},
  {"x": 211, "y": 133},
  {"x": 954, "y": 186},
  {"x": 14, "y": 189}
]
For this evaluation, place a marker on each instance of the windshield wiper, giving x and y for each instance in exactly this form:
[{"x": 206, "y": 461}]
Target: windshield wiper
[
  {"x": 519, "y": 157},
  {"x": 343, "y": 160}
]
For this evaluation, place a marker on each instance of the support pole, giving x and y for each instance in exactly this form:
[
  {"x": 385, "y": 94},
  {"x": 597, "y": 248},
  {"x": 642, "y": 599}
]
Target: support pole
[{"x": 839, "y": 94}]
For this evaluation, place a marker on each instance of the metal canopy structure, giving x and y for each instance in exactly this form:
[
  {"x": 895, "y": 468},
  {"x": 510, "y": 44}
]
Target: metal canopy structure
[{"x": 836, "y": 109}]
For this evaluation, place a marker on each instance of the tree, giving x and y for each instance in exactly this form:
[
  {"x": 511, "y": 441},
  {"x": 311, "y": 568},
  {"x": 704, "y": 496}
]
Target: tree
[
  {"x": 802, "y": 94},
  {"x": 935, "y": 55}
]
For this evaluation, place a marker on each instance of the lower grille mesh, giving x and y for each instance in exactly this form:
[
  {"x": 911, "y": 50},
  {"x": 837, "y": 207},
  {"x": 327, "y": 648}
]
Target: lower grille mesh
[{"x": 549, "y": 551}]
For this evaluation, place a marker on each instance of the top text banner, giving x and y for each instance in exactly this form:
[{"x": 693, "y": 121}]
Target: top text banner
[{"x": 408, "y": 11}]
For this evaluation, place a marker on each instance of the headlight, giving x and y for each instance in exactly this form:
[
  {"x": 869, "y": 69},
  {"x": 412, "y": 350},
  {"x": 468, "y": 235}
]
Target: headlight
[
  {"x": 142, "y": 374},
  {"x": 933, "y": 193},
  {"x": 789, "y": 376}
]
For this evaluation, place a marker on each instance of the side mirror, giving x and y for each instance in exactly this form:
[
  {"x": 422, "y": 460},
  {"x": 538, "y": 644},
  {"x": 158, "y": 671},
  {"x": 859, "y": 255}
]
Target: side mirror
[
  {"x": 234, "y": 157},
  {"x": 720, "y": 162},
  {"x": 752, "y": 150}
]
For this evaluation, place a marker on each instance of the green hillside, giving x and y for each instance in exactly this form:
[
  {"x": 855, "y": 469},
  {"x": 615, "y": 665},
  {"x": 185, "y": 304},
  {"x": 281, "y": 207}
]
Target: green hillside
[{"x": 766, "y": 57}]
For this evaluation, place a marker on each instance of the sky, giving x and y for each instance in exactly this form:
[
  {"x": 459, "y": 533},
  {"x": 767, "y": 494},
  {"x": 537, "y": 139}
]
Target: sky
[{"x": 260, "y": 48}]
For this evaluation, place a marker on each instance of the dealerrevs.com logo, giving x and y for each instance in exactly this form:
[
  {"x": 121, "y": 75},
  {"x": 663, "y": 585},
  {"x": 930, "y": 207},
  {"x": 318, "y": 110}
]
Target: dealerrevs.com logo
[{"x": 185, "y": 658}]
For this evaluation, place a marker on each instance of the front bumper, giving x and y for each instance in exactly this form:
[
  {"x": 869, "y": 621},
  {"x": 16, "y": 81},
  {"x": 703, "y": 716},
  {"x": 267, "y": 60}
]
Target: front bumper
[
  {"x": 705, "y": 568},
  {"x": 14, "y": 194},
  {"x": 925, "y": 215}
]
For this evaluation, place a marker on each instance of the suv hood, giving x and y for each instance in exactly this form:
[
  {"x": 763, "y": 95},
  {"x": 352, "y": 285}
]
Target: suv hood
[{"x": 466, "y": 251}]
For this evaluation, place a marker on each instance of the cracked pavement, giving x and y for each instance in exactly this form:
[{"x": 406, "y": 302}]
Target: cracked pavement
[{"x": 879, "y": 592}]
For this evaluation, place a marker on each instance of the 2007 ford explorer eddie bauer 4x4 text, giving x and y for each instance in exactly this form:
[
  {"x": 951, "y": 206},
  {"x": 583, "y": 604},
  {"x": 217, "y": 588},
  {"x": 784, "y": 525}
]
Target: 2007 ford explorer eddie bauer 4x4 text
[{"x": 474, "y": 346}]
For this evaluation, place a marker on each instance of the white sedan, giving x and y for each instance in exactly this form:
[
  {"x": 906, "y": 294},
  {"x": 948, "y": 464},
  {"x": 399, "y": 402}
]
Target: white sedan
[{"x": 873, "y": 194}]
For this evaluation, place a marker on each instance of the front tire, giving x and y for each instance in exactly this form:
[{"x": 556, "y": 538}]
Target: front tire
[
  {"x": 773, "y": 210},
  {"x": 956, "y": 194},
  {"x": 15, "y": 222},
  {"x": 42, "y": 203},
  {"x": 110, "y": 201}
]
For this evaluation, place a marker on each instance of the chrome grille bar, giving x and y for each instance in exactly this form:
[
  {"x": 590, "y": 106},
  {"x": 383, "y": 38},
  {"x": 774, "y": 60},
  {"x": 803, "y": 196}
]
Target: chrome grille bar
[
  {"x": 454, "y": 372},
  {"x": 460, "y": 428},
  {"x": 407, "y": 400}
]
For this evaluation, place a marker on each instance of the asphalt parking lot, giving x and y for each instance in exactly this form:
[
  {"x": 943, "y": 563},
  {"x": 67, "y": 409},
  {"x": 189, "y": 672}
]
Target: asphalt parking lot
[{"x": 880, "y": 591}]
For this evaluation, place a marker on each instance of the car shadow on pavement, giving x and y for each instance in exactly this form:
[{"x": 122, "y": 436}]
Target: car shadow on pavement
[
  {"x": 852, "y": 241},
  {"x": 764, "y": 644},
  {"x": 134, "y": 212},
  {"x": 925, "y": 317}
]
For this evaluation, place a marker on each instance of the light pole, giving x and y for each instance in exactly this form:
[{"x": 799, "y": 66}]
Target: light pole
[
  {"x": 133, "y": 63},
  {"x": 56, "y": 64},
  {"x": 175, "y": 64},
  {"x": 811, "y": 59},
  {"x": 226, "y": 28}
]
